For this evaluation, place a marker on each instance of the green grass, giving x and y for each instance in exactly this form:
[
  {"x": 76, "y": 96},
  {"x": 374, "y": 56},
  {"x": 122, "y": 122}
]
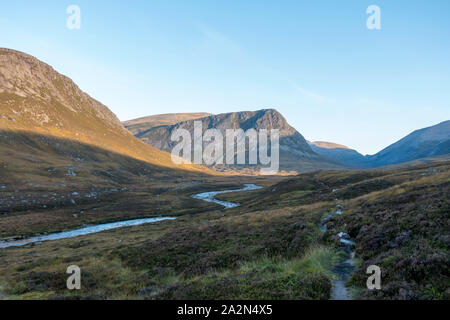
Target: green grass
[
  {"x": 269, "y": 248},
  {"x": 308, "y": 277}
]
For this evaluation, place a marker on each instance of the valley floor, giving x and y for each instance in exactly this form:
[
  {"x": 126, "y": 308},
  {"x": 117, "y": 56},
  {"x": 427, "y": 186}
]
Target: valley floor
[{"x": 271, "y": 247}]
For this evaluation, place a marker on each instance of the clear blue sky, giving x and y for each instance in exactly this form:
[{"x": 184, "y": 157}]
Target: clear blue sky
[{"x": 314, "y": 61}]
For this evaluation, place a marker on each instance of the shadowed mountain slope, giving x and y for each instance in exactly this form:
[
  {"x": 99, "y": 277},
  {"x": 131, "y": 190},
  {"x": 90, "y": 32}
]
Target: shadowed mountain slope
[
  {"x": 340, "y": 153},
  {"x": 41, "y": 171},
  {"x": 35, "y": 98}
]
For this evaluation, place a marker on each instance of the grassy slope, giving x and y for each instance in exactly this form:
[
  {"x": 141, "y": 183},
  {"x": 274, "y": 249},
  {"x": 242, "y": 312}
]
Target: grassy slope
[
  {"x": 62, "y": 153},
  {"x": 399, "y": 220},
  {"x": 46, "y": 182},
  {"x": 403, "y": 229},
  {"x": 270, "y": 247},
  {"x": 37, "y": 100}
]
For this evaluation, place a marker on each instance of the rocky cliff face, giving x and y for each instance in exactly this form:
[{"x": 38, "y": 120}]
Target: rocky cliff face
[
  {"x": 33, "y": 94},
  {"x": 295, "y": 153}
]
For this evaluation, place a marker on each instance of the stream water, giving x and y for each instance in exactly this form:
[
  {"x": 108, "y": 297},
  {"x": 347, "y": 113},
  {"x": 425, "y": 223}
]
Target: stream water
[
  {"x": 81, "y": 232},
  {"x": 345, "y": 269},
  {"x": 209, "y": 196},
  {"x": 205, "y": 196}
]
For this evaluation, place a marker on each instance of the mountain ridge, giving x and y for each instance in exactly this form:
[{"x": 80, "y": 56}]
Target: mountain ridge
[
  {"x": 51, "y": 131},
  {"x": 428, "y": 142},
  {"x": 36, "y": 98},
  {"x": 339, "y": 152},
  {"x": 327, "y": 145},
  {"x": 295, "y": 153},
  {"x": 142, "y": 124},
  {"x": 422, "y": 143}
]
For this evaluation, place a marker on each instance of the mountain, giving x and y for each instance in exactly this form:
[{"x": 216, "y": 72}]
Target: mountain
[
  {"x": 424, "y": 143},
  {"x": 51, "y": 131},
  {"x": 339, "y": 152},
  {"x": 143, "y": 124},
  {"x": 327, "y": 145},
  {"x": 432, "y": 143},
  {"x": 295, "y": 153},
  {"x": 36, "y": 98}
]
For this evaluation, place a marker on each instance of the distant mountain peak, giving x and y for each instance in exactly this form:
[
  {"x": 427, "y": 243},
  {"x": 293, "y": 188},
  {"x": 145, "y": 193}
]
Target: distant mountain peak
[{"x": 328, "y": 145}]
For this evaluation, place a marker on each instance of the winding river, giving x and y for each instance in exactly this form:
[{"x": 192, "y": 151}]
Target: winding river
[
  {"x": 81, "y": 232},
  {"x": 343, "y": 270},
  {"x": 209, "y": 196},
  {"x": 205, "y": 196}
]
